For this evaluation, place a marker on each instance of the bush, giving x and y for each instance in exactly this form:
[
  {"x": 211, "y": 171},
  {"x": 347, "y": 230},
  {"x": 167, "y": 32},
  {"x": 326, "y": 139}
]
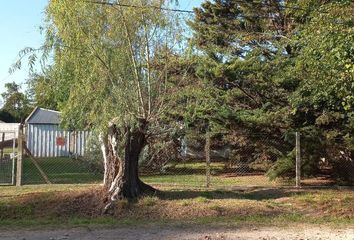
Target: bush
[
  {"x": 284, "y": 168},
  {"x": 343, "y": 166},
  {"x": 343, "y": 171}
]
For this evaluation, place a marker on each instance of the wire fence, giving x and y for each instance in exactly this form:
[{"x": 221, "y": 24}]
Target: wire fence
[
  {"x": 244, "y": 164},
  {"x": 7, "y": 157},
  {"x": 258, "y": 160},
  {"x": 327, "y": 161},
  {"x": 252, "y": 161}
]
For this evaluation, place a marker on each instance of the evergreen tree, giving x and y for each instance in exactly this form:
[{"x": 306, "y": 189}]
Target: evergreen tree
[{"x": 283, "y": 65}]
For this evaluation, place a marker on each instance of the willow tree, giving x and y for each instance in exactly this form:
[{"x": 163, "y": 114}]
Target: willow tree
[{"x": 110, "y": 58}]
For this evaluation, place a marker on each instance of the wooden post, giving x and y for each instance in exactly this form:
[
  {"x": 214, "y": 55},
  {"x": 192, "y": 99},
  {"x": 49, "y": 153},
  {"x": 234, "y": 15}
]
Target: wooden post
[
  {"x": 298, "y": 161},
  {"x": 19, "y": 156},
  {"x": 207, "y": 158},
  {"x": 2, "y": 148},
  {"x": 13, "y": 159}
]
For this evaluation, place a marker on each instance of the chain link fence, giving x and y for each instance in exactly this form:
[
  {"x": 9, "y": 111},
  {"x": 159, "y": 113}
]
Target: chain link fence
[
  {"x": 247, "y": 164},
  {"x": 59, "y": 170},
  {"x": 327, "y": 161},
  {"x": 256, "y": 160},
  {"x": 7, "y": 157}
]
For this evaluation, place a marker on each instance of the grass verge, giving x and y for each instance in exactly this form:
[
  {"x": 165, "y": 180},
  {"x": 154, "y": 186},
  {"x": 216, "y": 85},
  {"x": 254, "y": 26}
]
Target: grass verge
[{"x": 80, "y": 205}]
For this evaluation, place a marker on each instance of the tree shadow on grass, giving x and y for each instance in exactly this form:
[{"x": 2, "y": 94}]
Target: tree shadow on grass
[{"x": 249, "y": 194}]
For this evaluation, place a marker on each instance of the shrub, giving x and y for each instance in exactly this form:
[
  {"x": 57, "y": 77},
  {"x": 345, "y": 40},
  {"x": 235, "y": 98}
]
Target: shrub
[{"x": 284, "y": 167}]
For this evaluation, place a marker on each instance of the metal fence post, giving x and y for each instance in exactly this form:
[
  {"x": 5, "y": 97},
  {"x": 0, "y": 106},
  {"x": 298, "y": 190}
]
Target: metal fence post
[
  {"x": 207, "y": 158},
  {"x": 19, "y": 156},
  {"x": 298, "y": 161}
]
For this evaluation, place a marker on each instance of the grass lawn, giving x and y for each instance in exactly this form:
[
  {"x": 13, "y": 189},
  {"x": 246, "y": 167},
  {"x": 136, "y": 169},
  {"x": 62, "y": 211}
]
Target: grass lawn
[
  {"x": 192, "y": 174},
  {"x": 6, "y": 167},
  {"x": 5, "y": 172},
  {"x": 200, "y": 165},
  {"x": 9, "y": 150},
  {"x": 199, "y": 180},
  {"x": 64, "y": 170},
  {"x": 76, "y": 205},
  {"x": 60, "y": 170}
]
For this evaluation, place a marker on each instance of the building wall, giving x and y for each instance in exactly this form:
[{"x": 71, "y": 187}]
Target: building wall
[
  {"x": 10, "y": 130},
  {"x": 43, "y": 140}
]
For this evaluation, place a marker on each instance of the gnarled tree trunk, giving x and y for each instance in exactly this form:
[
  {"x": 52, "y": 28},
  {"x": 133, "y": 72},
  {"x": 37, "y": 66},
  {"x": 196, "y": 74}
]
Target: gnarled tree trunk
[{"x": 121, "y": 148}]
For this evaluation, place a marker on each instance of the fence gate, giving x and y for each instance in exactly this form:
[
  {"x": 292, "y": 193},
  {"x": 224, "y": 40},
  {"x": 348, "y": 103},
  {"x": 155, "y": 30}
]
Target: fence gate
[{"x": 7, "y": 157}]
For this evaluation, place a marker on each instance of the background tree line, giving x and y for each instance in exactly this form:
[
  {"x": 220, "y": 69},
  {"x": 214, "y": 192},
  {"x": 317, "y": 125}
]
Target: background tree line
[
  {"x": 263, "y": 70},
  {"x": 16, "y": 105}
]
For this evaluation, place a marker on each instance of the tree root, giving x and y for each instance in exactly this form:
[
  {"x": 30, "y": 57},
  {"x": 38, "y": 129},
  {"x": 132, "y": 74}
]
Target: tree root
[{"x": 144, "y": 190}]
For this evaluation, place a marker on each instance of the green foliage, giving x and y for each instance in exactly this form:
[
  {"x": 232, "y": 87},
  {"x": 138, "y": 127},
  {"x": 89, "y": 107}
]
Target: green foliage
[
  {"x": 244, "y": 62},
  {"x": 49, "y": 91},
  {"x": 93, "y": 154},
  {"x": 284, "y": 167},
  {"x": 325, "y": 67},
  {"x": 5, "y": 116},
  {"x": 322, "y": 104},
  {"x": 108, "y": 61},
  {"x": 280, "y": 75},
  {"x": 16, "y": 106}
]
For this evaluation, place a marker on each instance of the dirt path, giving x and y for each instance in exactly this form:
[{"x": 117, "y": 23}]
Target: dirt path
[{"x": 173, "y": 232}]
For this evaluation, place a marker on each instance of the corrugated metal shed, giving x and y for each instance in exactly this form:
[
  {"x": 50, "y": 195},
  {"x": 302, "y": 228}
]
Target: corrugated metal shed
[
  {"x": 45, "y": 138},
  {"x": 51, "y": 141}
]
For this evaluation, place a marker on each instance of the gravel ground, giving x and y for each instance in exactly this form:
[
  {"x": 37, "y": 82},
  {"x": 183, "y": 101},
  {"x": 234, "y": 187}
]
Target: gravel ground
[{"x": 187, "y": 233}]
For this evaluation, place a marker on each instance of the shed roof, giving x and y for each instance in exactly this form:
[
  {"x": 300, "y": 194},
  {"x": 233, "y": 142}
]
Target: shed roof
[{"x": 43, "y": 116}]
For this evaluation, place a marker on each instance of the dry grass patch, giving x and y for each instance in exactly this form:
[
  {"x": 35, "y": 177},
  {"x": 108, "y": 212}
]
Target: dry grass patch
[
  {"x": 65, "y": 203},
  {"x": 326, "y": 203}
]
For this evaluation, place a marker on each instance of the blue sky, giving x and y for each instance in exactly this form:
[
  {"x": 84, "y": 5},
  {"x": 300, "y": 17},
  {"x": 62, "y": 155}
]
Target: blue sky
[{"x": 19, "y": 28}]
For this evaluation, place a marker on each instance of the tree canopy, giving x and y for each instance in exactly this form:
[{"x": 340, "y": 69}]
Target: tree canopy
[
  {"x": 17, "y": 105},
  {"x": 280, "y": 67},
  {"x": 109, "y": 75},
  {"x": 105, "y": 62}
]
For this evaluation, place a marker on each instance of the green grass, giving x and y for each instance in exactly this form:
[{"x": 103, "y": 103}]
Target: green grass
[
  {"x": 60, "y": 170},
  {"x": 63, "y": 170},
  {"x": 192, "y": 180},
  {"x": 5, "y": 172},
  {"x": 192, "y": 174},
  {"x": 185, "y": 180},
  {"x": 9, "y": 150},
  {"x": 199, "y": 166},
  {"x": 199, "y": 180},
  {"x": 14, "y": 192},
  {"x": 6, "y": 167}
]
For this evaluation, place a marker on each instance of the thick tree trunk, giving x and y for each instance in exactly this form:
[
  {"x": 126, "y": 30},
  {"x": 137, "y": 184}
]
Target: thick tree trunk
[{"x": 121, "y": 149}]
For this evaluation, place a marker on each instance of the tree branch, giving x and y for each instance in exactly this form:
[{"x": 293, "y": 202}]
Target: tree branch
[{"x": 135, "y": 66}]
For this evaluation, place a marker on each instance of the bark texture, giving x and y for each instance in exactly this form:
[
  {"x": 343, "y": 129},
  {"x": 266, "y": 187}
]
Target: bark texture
[{"x": 121, "y": 149}]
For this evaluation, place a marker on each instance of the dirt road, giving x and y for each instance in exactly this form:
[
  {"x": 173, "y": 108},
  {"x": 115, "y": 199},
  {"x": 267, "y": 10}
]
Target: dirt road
[{"x": 178, "y": 232}]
